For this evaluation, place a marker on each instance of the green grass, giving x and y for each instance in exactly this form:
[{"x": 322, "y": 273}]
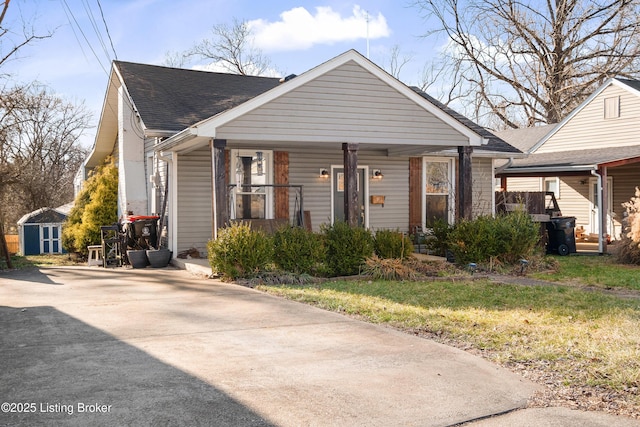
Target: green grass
[
  {"x": 586, "y": 337},
  {"x": 600, "y": 271},
  {"x": 30, "y": 261}
]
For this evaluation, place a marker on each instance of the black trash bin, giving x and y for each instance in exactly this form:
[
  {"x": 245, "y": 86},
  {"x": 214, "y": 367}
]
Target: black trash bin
[
  {"x": 141, "y": 232},
  {"x": 562, "y": 239}
]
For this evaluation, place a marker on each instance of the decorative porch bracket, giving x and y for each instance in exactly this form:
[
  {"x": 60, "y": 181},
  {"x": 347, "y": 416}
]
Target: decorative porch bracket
[
  {"x": 464, "y": 196},
  {"x": 220, "y": 212},
  {"x": 350, "y": 155}
]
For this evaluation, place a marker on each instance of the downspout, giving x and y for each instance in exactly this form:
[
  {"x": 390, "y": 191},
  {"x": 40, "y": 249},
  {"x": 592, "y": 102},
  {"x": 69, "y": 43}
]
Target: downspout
[
  {"x": 600, "y": 213},
  {"x": 163, "y": 211}
]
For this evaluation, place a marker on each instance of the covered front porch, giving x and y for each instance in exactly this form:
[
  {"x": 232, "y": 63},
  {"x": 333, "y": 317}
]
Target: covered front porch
[{"x": 335, "y": 143}]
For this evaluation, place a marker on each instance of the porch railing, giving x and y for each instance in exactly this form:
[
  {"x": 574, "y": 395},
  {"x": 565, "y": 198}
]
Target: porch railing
[{"x": 298, "y": 218}]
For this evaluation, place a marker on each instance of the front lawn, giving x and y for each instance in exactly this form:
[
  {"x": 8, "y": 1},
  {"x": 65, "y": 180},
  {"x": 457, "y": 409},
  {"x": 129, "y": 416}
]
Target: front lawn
[
  {"x": 601, "y": 271},
  {"x": 581, "y": 344}
]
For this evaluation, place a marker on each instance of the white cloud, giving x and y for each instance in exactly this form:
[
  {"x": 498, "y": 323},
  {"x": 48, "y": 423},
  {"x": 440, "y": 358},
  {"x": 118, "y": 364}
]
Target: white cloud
[{"x": 298, "y": 29}]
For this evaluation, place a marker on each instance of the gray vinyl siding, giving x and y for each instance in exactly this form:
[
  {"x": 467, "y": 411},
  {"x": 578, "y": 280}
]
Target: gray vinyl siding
[
  {"x": 589, "y": 129},
  {"x": 304, "y": 168},
  {"x": 482, "y": 186},
  {"x": 194, "y": 200},
  {"x": 347, "y": 104},
  {"x": 574, "y": 199}
]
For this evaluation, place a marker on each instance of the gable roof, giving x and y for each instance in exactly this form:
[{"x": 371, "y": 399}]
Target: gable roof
[
  {"x": 172, "y": 99},
  {"x": 477, "y": 136},
  {"x": 44, "y": 216},
  {"x": 579, "y": 160},
  {"x": 632, "y": 86}
]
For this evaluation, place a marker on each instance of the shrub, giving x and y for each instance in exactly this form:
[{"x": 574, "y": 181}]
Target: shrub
[
  {"x": 392, "y": 244},
  {"x": 239, "y": 251},
  {"x": 517, "y": 236},
  {"x": 297, "y": 250},
  {"x": 438, "y": 240},
  {"x": 506, "y": 238},
  {"x": 96, "y": 205},
  {"x": 346, "y": 248}
]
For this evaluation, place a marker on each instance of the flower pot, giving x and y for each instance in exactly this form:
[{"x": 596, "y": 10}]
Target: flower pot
[
  {"x": 159, "y": 258},
  {"x": 138, "y": 258}
]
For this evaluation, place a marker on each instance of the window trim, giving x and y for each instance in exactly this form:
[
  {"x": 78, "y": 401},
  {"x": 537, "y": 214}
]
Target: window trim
[
  {"x": 452, "y": 188},
  {"x": 268, "y": 172}
]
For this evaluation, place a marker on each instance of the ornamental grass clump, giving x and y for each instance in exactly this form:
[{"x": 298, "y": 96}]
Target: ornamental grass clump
[{"x": 392, "y": 244}]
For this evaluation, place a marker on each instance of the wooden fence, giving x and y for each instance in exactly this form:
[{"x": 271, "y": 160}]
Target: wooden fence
[{"x": 13, "y": 243}]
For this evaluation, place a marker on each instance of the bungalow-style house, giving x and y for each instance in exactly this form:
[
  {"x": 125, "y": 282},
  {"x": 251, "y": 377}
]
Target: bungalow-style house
[
  {"x": 40, "y": 231},
  {"x": 343, "y": 141},
  {"x": 589, "y": 160}
]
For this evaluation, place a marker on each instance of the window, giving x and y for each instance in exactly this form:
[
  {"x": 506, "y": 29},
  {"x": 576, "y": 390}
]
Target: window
[
  {"x": 438, "y": 191},
  {"x": 553, "y": 185},
  {"x": 251, "y": 172},
  {"x": 612, "y": 107}
]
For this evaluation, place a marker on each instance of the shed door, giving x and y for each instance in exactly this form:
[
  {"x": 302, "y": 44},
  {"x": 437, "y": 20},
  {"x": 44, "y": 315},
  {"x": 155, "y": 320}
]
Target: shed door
[
  {"x": 31, "y": 239},
  {"x": 50, "y": 241}
]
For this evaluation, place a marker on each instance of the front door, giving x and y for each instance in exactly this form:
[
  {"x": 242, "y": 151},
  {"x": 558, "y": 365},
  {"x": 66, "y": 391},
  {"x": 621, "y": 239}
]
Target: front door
[{"x": 338, "y": 187}]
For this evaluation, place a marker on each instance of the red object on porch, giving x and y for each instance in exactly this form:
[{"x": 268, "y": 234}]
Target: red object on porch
[{"x": 132, "y": 218}]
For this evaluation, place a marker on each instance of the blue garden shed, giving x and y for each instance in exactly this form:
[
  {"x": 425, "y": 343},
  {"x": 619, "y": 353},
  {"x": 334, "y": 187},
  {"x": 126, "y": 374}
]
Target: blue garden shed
[{"x": 40, "y": 231}]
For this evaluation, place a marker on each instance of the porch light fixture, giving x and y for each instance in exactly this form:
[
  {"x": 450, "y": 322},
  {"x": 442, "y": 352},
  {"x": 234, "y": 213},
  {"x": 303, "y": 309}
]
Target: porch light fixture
[
  {"x": 260, "y": 164},
  {"x": 324, "y": 173},
  {"x": 376, "y": 174}
]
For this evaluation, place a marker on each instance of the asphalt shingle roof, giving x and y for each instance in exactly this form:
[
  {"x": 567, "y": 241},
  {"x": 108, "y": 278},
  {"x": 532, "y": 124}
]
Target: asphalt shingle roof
[
  {"x": 495, "y": 143},
  {"x": 576, "y": 158},
  {"x": 525, "y": 138},
  {"x": 173, "y": 99}
]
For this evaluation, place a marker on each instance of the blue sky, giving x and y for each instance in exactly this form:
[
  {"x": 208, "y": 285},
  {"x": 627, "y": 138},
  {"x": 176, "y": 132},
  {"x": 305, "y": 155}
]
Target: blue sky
[{"x": 295, "y": 35}]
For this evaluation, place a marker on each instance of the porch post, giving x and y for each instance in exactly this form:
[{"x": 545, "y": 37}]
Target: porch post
[
  {"x": 220, "y": 209},
  {"x": 602, "y": 171},
  {"x": 464, "y": 194},
  {"x": 350, "y": 154}
]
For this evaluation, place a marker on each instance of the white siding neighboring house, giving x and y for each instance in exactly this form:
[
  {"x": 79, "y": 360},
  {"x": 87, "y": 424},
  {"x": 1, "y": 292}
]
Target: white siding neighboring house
[
  {"x": 590, "y": 159},
  {"x": 239, "y": 147}
]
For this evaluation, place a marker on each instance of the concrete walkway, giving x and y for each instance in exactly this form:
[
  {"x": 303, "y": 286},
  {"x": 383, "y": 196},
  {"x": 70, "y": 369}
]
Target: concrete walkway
[{"x": 91, "y": 346}]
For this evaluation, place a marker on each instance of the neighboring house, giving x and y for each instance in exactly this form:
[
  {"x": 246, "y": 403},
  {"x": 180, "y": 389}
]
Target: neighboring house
[
  {"x": 590, "y": 159},
  {"x": 344, "y": 140},
  {"x": 40, "y": 231}
]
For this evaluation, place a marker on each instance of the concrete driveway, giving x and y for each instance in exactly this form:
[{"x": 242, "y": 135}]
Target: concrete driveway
[{"x": 92, "y": 346}]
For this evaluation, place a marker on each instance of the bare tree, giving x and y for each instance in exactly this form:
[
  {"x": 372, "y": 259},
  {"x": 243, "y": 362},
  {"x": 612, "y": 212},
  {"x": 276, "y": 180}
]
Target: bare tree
[
  {"x": 39, "y": 150},
  {"x": 232, "y": 48},
  {"x": 532, "y": 62},
  {"x": 397, "y": 61},
  {"x": 13, "y": 40}
]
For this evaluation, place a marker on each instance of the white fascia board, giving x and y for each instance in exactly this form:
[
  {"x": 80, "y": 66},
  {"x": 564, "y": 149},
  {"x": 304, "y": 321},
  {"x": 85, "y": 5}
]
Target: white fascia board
[
  {"x": 548, "y": 169},
  {"x": 97, "y": 153},
  {"x": 179, "y": 138}
]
